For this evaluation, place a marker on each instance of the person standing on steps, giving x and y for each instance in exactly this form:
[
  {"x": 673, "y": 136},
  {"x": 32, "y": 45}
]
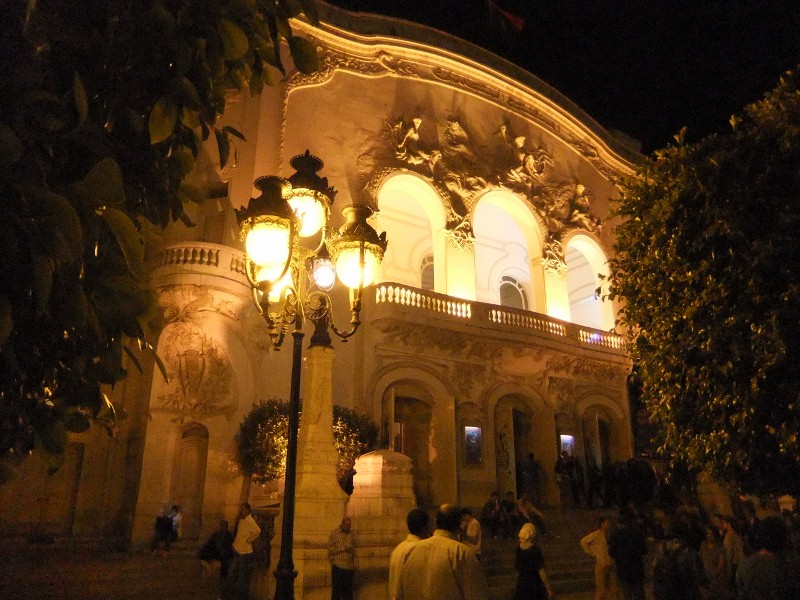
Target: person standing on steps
[
  {"x": 627, "y": 546},
  {"x": 245, "y": 533},
  {"x": 596, "y": 544},
  {"x": 532, "y": 580},
  {"x": 471, "y": 531}
]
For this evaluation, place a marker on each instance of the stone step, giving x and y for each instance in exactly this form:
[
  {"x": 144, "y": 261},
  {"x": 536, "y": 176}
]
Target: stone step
[{"x": 569, "y": 568}]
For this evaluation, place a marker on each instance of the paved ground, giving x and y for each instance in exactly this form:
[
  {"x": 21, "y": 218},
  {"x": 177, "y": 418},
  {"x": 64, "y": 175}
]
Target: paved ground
[
  {"x": 88, "y": 576},
  {"x": 50, "y": 576}
]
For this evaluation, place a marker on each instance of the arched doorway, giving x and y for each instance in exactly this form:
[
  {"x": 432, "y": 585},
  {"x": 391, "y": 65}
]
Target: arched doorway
[
  {"x": 514, "y": 440},
  {"x": 508, "y": 253},
  {"x": 192, "y": 457},
  {"x": 412, "y": 424}
]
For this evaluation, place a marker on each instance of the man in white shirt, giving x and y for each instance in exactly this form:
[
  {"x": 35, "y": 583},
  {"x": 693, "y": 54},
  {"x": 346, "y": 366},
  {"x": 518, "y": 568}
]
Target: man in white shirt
[
  {"x": 596, "y": 544},
  {"x": 341, "y": 553},
  {"x": 246, "y": 532},
  {"x": 417, "y": 522},
  {"x": 442, "y": 567}
]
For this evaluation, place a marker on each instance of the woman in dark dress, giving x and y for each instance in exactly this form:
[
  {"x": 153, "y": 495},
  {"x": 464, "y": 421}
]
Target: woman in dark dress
[{"x": 532, "y": 582}]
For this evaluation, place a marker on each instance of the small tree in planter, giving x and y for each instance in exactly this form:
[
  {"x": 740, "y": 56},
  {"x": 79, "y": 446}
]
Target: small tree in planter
[{"x": 263, "y": 434}]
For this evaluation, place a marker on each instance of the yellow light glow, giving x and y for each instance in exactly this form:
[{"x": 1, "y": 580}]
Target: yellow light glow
[
  {"x": 277, "y": 288},
  {"x": 348, "y": 267},
  {"x": 311, "y": 213},
  {"x": 267, "y": 245}
]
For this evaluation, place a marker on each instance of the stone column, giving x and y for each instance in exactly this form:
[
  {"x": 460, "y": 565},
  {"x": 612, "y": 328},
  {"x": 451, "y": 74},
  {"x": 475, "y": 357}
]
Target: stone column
[
  {"x": 557, "y": 293},
  {"x": 319, "y": 500}
]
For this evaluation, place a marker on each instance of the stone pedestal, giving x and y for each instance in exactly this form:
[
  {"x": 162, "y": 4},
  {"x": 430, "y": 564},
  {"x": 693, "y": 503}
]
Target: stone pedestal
[
  {"x": 382, "y": 497},
  {"x": 319, "y": 501}
]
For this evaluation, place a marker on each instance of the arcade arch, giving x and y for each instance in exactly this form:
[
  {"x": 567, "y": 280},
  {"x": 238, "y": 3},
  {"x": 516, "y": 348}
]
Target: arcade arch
[
  {"x": 585, "y": 261},
  {"x": 411, "y": 212},
  {"x": 507, "y": 244},
  {"x": 522, "y": 425},
  {"x": 604, "y": 429}
]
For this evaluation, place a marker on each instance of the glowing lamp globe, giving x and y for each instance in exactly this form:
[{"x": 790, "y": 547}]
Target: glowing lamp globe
[
  {"x": 268, "y": 246},
  {"x": 277, "y": 288},
  {"x": 354, "y": 239},
  {"x": 311, "y": 196},
  {"x": 348, "y": 267},
  {"x": 310, "y": 211}
]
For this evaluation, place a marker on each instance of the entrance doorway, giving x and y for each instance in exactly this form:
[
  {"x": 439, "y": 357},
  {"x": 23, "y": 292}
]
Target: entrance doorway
[
  {"x": 513, "y": 443},
  {"x": 410, "y": 433},
  {"x": 597, "y": 437},
  {"x": 191, "y": 478}
]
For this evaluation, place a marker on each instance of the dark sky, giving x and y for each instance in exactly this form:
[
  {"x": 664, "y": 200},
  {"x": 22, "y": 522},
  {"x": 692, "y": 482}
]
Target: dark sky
[{"x": 646, "y": 68}]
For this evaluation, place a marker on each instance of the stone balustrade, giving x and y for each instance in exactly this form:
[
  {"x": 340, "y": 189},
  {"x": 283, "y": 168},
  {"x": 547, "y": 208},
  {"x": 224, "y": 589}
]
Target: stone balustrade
[
  {"x": 496, "y": 317},
  {"x": 212, "y": 258}
]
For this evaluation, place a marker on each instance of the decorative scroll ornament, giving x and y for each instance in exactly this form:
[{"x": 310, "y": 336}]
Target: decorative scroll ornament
[
  {"x": 561, "y": 392},
  {"x": 553, "y": 257}
]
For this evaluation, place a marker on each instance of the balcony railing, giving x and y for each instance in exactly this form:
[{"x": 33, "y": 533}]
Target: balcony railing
[
  {"x": 225, "y": 260},
  {"x": 479, "y": 312},
  {"x": 395, "y": 294}
]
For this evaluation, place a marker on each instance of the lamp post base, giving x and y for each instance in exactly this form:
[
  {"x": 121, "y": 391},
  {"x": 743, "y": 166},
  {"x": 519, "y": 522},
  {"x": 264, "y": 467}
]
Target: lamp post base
[{"x": 284, "y": 584}]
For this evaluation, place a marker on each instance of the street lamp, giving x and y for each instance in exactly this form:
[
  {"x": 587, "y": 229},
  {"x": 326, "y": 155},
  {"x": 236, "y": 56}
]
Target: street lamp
[{"x": 290, "y": 282}]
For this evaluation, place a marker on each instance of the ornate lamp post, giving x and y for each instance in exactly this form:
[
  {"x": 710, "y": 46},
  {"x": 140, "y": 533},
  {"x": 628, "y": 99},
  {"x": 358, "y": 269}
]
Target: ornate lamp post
[{"x": 290, "y": 282}]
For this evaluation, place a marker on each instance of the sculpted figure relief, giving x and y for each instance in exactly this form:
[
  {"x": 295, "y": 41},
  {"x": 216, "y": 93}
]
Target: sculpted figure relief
[
  {"x": 408, "y": 148},
  {"x": 528, "y": 163},
  {"x": 460, "y": 170}
]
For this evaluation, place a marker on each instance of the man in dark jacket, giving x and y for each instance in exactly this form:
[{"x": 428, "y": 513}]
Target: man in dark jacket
[{"x": 627, "y": 546}]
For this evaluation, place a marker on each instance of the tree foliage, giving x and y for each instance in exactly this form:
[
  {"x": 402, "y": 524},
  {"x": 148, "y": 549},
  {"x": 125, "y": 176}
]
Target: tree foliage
[
  {"x": 104, "y": 105},
  {"x": 707, "y": 266},
  {"x": 263, "y": 435}
]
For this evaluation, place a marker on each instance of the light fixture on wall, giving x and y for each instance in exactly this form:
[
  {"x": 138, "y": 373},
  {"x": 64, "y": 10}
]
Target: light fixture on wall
[{"x": 290, "y": 282}]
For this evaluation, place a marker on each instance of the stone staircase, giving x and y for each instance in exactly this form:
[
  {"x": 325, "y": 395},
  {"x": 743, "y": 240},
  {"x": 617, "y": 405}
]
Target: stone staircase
[{"x": 570, "y": 569}]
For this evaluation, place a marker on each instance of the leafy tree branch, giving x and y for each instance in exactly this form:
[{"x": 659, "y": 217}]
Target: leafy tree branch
[
  {"x": 707, "y": 267},
  {"x": 104, "y": 105}
]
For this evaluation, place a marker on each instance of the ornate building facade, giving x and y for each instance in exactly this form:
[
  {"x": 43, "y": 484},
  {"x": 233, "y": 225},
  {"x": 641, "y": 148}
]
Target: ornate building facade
[{"x": 484, "y": 339}]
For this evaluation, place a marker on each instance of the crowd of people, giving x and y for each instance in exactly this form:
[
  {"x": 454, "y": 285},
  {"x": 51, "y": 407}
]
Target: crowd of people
[
  {"x": 752, "y": 554},
  {"x": 699, "y": 556},
  {"x": 614, "y": 485}
]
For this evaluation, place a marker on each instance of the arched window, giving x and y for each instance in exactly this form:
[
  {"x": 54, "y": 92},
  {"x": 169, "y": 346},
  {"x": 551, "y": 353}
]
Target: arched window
[
  {"x": 426, "y": 273},
  {"x": 512, "y": 294}
]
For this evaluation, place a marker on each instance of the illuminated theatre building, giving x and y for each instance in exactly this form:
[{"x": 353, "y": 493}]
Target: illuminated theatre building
[{"x": 482, "y": 338}]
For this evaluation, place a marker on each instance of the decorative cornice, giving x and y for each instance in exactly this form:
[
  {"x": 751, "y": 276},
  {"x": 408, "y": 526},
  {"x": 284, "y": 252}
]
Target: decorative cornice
[{"x": 382, "y": 55}]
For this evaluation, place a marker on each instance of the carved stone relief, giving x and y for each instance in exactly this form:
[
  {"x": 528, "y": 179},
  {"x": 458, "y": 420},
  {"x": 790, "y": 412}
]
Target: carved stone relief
[
  {"x": 477, "y": 362},
  {"x": 186, "y": 302},
  {"x": 461, "y": 168},
  {"x": 201, "y": 380},
  {"x": 561, "y": 393}
]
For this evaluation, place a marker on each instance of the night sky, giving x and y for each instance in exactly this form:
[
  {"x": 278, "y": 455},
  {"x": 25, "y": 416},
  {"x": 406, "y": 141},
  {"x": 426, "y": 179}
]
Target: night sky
[{"x": 646, "y": 68}]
